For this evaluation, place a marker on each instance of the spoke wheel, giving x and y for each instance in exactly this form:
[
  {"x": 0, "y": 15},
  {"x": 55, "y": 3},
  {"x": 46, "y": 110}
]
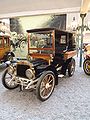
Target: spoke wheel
[
  {"x": 8, "y": 79},
  {"x": 45, "y": 85},
  {"x": 71, "y": 67},
  {"x": 86, "y": 66}
]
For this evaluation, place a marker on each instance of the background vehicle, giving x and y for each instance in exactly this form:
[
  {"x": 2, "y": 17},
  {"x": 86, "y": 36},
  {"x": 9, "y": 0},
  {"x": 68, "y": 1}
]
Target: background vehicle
[
  {"x": 86, "y": 63},
  {"x": 50, "y": 53},
  {"x": 5, "y": 53}
]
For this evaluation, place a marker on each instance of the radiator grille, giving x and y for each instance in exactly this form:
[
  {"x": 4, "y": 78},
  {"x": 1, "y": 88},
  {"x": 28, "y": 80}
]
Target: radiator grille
[{"x": 21, "y": 70}]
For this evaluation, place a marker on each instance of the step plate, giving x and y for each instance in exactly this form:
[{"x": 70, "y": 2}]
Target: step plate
[{"x": 61, "y": 75}]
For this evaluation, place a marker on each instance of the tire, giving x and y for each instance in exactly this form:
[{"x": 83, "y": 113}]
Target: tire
[
  {"x": 5, "y": 82},
  {"x": 86, "y": 66},
  {"x": 71, "y": 67},
  {"x": 45, "y": 87}
]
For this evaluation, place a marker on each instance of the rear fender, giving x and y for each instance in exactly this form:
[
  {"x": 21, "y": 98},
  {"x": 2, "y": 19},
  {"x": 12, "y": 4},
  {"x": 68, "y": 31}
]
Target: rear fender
[{"x": 65, "y": 65}]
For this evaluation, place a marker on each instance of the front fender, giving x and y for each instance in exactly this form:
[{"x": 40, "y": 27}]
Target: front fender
[
  {"x": 53, "y": 69},
  {"x": 49, "y": 68}
]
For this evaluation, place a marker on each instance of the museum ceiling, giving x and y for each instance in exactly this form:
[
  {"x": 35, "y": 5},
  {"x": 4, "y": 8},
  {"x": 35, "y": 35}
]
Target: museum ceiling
[{"x": 10, "y": 8}]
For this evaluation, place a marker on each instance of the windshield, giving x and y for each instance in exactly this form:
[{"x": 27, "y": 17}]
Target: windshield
[{"x": 40, "y": 42}]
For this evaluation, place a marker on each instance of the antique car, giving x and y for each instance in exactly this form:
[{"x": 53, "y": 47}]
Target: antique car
[
  {"x": 5, "y": 53},
  {"x": 86, "y": 63},
  {"x": 50, "y": 55}
]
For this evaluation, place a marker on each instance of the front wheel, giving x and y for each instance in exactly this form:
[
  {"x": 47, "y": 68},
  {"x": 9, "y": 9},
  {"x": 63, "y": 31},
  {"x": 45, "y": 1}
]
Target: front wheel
[
  {"x": 45, "y": 85},
  {"x": 8, "y": 79},
  {"x": 71, "y": 67},
  {"x": 86, "y": 66}
]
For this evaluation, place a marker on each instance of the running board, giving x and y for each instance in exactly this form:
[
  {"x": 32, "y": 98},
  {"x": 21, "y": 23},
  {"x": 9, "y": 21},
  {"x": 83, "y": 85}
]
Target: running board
[{"x": 60, "y": 75}]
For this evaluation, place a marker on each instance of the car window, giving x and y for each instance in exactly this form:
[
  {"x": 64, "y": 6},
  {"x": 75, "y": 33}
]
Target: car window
[
  {"x": 63, "y": 39},
  {"x": 41, "y": 40},
  {"x": 0, "y": 42}
]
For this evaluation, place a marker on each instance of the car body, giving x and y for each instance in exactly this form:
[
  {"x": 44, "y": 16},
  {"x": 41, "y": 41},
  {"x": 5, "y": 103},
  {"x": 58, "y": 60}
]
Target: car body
[
  {"x": 5, "y": 53},
  {"x": 86, "y": 63},
  {"x": 50, "y": 55}
]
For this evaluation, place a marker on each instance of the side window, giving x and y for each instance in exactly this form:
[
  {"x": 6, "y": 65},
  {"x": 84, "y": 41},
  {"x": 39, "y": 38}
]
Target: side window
[
  {"x": 72, "y": 43},
  {"x": 0, "y": 42},
  {"x": 63, "y": 39}
]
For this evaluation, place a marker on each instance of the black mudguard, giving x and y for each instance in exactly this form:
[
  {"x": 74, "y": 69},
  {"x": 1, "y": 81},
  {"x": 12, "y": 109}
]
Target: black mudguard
[
  {"x": 53, "y": 69},
  {"x": 64, "y": 66}
]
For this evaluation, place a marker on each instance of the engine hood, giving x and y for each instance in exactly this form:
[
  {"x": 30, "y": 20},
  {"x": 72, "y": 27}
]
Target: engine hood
[
  {"x": 33, "y": 63},
  {"x": 38, "y": 62}
]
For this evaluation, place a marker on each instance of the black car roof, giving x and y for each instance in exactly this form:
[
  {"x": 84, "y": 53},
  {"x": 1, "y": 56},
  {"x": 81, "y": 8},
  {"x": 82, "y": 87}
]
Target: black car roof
[{"x": 47, "y": 29}]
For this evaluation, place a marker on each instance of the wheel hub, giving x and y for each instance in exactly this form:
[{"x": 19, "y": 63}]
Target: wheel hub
[
  {"x": 88, "y": 66},
  {"x": 47, "y": 86}
]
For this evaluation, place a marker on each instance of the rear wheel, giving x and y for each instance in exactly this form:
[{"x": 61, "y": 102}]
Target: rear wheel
[
  {"x": 71, "y": 67},
  {"x": 45, "y": 85},
  {"x": 8, "y": 79},
  {"x": 86, "y": 66}
]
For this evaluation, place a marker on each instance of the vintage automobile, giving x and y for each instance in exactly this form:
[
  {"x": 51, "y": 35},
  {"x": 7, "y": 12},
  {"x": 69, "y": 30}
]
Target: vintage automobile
[
  {"x": 5, "y": 53},
  {"x": 50, "y": 55},
  {"x": 86, "y": 63}
]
